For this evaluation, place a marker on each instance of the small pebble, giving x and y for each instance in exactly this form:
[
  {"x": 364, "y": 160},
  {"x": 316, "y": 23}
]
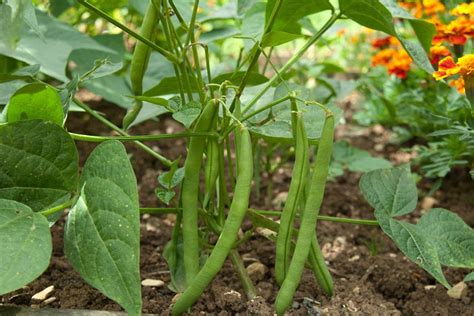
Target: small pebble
[
  {"x": 458, "y": 291},
  {"x": 430, "y": 287},
  {"x": 428, "y": 202},
  {"x": 49, "y": 300},
  {"x": 153, "y": 282},
  {"x": 44, "y": 294},
  {"x": 257, "y": 271}
]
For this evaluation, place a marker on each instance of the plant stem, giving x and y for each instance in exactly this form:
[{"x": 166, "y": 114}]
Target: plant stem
[
  {"x": 159, "y": 210},
  {"x": 355, "y": 221},
  {"x": 346, "y": 220},
  {"x": 127, "y": 30},
  {"x": 57, "y": 208},
  {"x": 291, "y": 61},
  {"x": 166, "y": 162},
  {"x": 98, "y": 139},
  {"x": 244, "y": 277},
  {"x": 266, "y": 107}
]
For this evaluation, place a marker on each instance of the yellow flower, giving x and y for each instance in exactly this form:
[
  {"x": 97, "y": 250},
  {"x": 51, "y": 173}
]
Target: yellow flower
[
  {"x": 466, "y": 65},
  {"x": 463, "y": 9}
]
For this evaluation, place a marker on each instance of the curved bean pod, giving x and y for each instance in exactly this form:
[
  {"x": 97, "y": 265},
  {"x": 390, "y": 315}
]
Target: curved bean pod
[
  {"x": 190, "y": 191},
  {"x": 228, "y": 236},
  {"x": 140, "y": 58},
  {"x": 309, "y": 217},
  {"x": 295, "y": 194}
]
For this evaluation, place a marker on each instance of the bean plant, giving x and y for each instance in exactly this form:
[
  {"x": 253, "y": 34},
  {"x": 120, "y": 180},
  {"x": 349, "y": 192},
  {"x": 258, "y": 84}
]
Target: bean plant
[{"x": 226, "y": 118}]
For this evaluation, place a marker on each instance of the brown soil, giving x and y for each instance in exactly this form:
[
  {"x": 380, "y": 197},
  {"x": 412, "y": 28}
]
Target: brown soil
[{"x": 371, "y": 276}]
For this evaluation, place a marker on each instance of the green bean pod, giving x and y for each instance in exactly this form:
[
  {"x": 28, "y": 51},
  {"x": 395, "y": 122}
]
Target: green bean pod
[
  {"x": 140, "y": 58},
  {"x": 229, "y": 233},
  {"x": 295, "y": 195},
  {"x": 190, "y": 191},
  {"x": 211, "y": 170},
  {"x": 309, "y": 217}
]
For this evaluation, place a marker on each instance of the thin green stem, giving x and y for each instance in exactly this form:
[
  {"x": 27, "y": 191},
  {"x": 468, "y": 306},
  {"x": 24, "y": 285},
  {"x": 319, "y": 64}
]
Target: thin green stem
[
  {"x": 58, "y": 208},
  {"x": 166, "y": 162},
  {"x": 98, "y": 139},
  {"x": 266, "y": 107},
  {"x": 159, "y": 210},
  {"x": 292, "y": 61},
  {"x": 247, "y": 284},
  {"x": 127, "y": 30},
  {"x": 346, "y": 220}
]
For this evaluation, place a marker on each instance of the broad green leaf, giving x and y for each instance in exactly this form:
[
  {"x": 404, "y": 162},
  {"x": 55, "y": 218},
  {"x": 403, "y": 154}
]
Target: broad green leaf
[
  {"x": 424, "y": 30},
  {"x": 417, "y": 247},
  {"x": 27, "y": 72},
  {"x": 35, "y": 101},
  {"x": 469, "y": 277},
  {"x": 391, "y": 191},
  {"x": 102, "y": 234},
  {"x": 188, "y": 113},
  {"x": 168, "y": 86},
  {"x": 453, "y": 239},
  {"x": 275, "y": 124},
  {"x": 102, "y": 68},
  {"x": 26, "y": 245},
  {"x": 366, "y": 164},
  {"x": 52, "y": 51},
  {"x": 59, "y": 6},
  {"x": 417, "y": 53},
  {"x": 38, "y": 163},
  {"x": 292, "y": 11},
  {"x": 244, "y": 5},
  {"x": 7, "y": 89},
  {"x": 15, "y": 15},
  {"x": 275, "y": 38},
  {"x": 369, "y": 13},
  {"x": 254, "y": 78}
]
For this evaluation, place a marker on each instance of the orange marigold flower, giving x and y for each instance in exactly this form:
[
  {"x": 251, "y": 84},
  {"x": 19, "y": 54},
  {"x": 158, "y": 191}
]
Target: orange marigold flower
[
  {"x": 381, "y": 42},
  {"x": 458, "y": 84},
  {"x": 438, "y": 52},
  {"x": 463, "y": 9},
  {"x": 383, "y": 57},
  {"x": 456, "y": 32},
  {"x": 432, "y": 7},
  {"x": 400, "y": 64},
  {"x": 446, "y": 67}
]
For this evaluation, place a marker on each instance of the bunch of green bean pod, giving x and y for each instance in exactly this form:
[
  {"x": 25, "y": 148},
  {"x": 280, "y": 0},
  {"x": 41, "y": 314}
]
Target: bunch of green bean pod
[
  {"x": 295, "y": 195},
  {"x": 309, "y": 217},
  {"x": 190, "y": 190},
  {"x": 140, "y": 58},
  {"x": 228, "y": 235}
]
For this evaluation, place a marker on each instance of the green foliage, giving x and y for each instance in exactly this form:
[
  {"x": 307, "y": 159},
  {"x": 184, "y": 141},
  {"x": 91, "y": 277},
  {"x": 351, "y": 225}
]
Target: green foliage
[
  {"x": 38, "y": 164},
  {"x": 102, "y": 238},
  {"x": 439, "y": 238},
  {"x": 35, "y": 101},
  {"x": 26, "y": 245},
  {"x": 345, "y": 156}
]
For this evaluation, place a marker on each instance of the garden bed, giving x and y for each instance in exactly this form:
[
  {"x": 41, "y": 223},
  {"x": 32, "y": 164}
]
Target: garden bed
[{"x": 371, "y": 276}]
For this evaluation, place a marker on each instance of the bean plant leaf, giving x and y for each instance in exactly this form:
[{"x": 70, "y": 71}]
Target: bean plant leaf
[
  {"x": 469, "y": 277},
  {"x": 26, "y": 245},
  {"x": 236, "y": 78},
  {"x": 275, "y": 38},
  {"x": 38, "y": 163},
  {"x": 102, "y": 237},
  {"x": 291, "y": 11},
  {"x": 453, "y": 239},
  {"x": 275, "y": 124},
  {"x": 35, "y": 101},
  {"x": 417, "y": 247},
  {"x": 52, "y": 50},
  {"x": 27, "y": 72},
  {"x": 188, "y": 113},
  {"x": 391, "y": 191},
  {"x": 369, "y": 13}
]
